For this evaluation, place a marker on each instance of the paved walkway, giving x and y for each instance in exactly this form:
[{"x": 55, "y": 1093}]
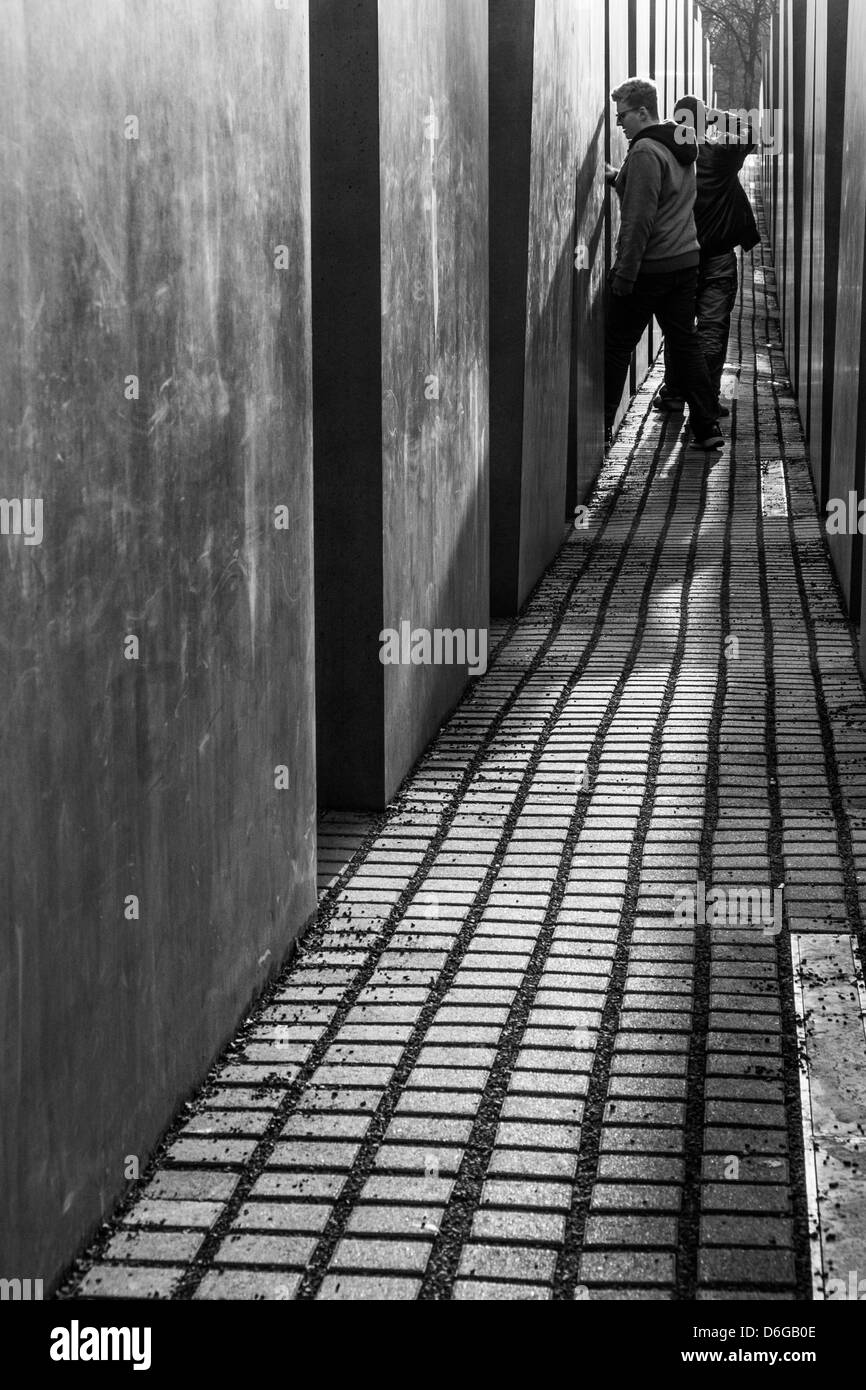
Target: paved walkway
[{"x": 512, "y": 1060}]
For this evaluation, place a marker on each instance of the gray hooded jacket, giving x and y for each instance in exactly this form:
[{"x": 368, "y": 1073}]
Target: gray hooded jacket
[{"x": 656, "y": 187}]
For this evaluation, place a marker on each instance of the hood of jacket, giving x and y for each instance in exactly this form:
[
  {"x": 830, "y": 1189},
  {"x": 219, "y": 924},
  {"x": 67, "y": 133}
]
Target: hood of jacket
[{"x": 670, "y": 134}]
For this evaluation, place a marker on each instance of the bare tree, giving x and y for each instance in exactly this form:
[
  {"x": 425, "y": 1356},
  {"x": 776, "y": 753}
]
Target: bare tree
[{"x": 738, "y": 31}]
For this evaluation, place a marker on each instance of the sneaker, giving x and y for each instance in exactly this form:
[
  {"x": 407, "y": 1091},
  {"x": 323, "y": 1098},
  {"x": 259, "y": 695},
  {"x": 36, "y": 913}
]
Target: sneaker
[
  {"x": 674, "y": 405},
  {"x": 713, "y": 440},
  {"x": 723, "y": 411}
]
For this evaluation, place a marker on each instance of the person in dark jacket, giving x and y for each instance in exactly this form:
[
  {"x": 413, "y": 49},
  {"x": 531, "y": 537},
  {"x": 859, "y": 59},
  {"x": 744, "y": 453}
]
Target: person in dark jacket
[
  {"x": 655, "y": 271},
  {"x": 724, "y": 220}
]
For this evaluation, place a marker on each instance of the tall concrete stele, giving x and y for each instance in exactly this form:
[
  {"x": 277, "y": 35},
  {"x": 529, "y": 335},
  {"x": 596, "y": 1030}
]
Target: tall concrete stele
[
  {"x": 157, "y": 822},
  {"x": 815, "y": 194}
]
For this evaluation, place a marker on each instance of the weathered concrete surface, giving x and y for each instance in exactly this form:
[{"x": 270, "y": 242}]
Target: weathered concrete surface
[
  {"x": 831, "y": 23},
  {"x": 586, "y": 423},
  {"x": 547, "y": 112},
  {"x": 616, "y": 63},
  {"x": 810, "y": 249},
  {"x": 564, "y": 89},
  {"x": 661, "y": 51},
  {"x": 147, "y": 253},
  {"x": 433, "y": 125},
  {"x": 512, "y": 69},
  {"x": 816, "y": 189},
  {"x": 401, "y": 386},
  {"x": 794, "y": 145},
  {"x": 639, "y": 44},
  {"x": 849, "y": 415}
]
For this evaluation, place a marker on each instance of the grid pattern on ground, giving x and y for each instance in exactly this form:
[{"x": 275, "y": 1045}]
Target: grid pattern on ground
[{"x": 509, "y": 1061}]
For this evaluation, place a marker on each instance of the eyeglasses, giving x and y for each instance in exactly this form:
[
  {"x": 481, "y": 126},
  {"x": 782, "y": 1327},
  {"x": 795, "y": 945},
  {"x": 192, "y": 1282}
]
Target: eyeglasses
[{"x": 629, "y": 111}]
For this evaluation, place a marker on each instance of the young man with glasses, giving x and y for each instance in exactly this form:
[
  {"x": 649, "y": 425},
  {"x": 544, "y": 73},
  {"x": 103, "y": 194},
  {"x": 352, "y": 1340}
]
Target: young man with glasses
[{"x": 655, "y": 270}]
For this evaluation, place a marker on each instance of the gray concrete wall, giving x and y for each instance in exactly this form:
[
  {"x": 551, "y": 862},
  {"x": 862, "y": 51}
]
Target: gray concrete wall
[
  {"x": 566, "y": 34},
  {"x": 401, "y": 371},
  {"x": 153, "y": 778},
  {"x": 434, "y": 190},
  {"x": 548, "y": 114},
  {"x": 847, "y": 464},
  {"x": 586, "y": 423},
  {"x": 816, "y": 186},
  {"x": 617, "y": 66}
]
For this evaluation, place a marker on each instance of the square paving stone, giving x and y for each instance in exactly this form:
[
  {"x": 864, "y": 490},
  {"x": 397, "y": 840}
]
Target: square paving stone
[
  {"x": 640, "y": 1168},
  {"x": 747, "y": 1230},
  {"x": 282, "y": 1216},
  {"x": 227, "y": 1122},
  {"x": 415, "y": 1221},
  {"x": 298, "y": 1185},
  {"x": 216, "y": 1151},
  {"x": 637, "y": 1139},
  {"x": 609, "y": 1196},
  {"x": 377, "y": 1288},
  {"x": 340, "y": 1127},
  {"x": 204, "y": 1185},
  {"x": 532, "y": 1163},
  {"x": 631, "y": 1231},
  {"x": 479, "y": 1289},
  {"x": 423, "y": 1189},
  {"x": 130, "y": 1281},
  {"x": 739, "y": 1266},
  {"x": 506, "y": 1262},
  {"x": 157, "y": 1247},
  {"x": 293, "y": 1252},
  {"x": 433, "y": 1103},
  {"x": 154, "y": 1212},
  {"x": 539, "y": 1228},
  {"x": 248, "y": 1284},
  {"x": 312, "y": 1154},
  {"x": 745, "y": 1197},
  {"x": 626, "y": 1267},
  {"x": 400, "y": 1256},
  {"x": 532, "y": 1194}
]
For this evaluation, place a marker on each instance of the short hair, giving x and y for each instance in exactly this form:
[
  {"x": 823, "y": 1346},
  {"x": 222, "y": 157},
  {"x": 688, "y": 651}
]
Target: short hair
[
  {"x": 693, "y": 105},
  {"x": 638, "y": 91}
]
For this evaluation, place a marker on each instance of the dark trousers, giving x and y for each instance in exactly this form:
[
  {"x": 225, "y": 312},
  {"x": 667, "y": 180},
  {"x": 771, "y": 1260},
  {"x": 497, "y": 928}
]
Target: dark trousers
[
  {"x": 714, "y": 304},
  {"x": 671, "y": 298}
]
